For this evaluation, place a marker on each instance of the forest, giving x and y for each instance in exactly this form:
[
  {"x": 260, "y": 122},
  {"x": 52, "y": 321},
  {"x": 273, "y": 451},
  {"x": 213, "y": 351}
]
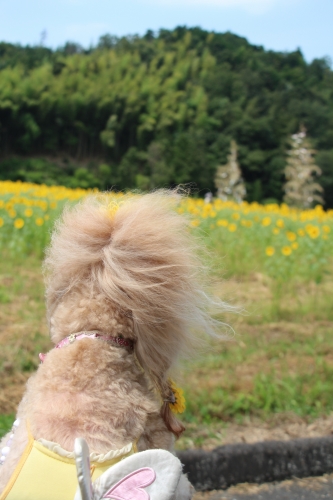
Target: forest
[{"x": 140, "y": 112}]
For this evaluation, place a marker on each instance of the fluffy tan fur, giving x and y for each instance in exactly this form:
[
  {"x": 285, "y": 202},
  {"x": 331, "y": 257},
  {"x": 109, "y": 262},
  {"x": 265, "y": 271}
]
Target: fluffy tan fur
[{"x": 133, "y": 273}]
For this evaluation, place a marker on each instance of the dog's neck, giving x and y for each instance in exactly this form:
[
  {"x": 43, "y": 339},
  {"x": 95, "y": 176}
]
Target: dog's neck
[{"x": 95, "y": 334}]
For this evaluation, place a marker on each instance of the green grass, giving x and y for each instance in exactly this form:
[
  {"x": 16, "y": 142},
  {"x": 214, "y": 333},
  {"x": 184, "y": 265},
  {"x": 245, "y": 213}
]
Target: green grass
[
  {"x": 6, "y": 422},
  {"x": 306, "y": 395},
  {"x": 280, "y": 360}
]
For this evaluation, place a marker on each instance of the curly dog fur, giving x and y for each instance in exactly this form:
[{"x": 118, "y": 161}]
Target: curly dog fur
[{"x": 133, "y": 272}]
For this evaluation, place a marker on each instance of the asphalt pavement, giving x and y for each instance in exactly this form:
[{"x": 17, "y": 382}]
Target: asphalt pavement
[{"x": 316, "y": 488}]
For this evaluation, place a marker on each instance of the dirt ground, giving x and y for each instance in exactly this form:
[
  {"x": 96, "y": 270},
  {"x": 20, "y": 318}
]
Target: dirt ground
[
  {"x": 280, "y": 428},
  {"x": 294, "y": 489}
]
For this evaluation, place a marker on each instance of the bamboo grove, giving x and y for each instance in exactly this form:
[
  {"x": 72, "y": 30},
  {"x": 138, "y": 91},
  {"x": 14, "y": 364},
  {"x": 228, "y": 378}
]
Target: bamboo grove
[{"x": 159, "y": 110}]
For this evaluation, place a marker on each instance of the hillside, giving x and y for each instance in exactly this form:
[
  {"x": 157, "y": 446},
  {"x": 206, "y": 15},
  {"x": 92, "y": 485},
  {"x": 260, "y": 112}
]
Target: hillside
[{"x": 160, "y": 110}]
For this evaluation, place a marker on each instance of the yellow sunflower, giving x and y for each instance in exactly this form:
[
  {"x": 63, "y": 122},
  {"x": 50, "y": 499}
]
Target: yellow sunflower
[
  {"x": 286, "y": 251},
  {"x": 19, "y": 223},
  {"x": 270, "y": 251},
  {"x": 113, "y": 208},
  {"x": 195, "y": 223},
  {"x": 179, "y": 405},
  {"x": 291, "y": 236},
  {"x": 266, "y": 221},
  {"x": 222, "y": 222},
  {"x": 28, "y": 212},
  {"x": 39, "y": 221},
  {"x": 313, "y": 231}
]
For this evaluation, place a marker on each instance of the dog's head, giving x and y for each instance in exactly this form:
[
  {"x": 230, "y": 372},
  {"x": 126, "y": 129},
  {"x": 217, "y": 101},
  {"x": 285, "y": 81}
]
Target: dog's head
[{"x": 131, "y": 271}]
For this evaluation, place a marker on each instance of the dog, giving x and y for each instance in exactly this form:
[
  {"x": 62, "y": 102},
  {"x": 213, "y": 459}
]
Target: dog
[{"x": 125, "y": 302}]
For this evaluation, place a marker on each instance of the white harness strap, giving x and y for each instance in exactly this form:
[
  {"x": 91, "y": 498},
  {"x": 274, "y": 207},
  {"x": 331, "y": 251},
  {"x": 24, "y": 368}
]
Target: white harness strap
[{"x": 148, "y": 475}]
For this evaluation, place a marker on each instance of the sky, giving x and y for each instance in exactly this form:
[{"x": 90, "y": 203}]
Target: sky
[{"x": 282, "y": 25}]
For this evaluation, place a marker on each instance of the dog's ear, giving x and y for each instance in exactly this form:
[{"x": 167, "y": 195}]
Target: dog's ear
[
  {"x": 171, "y": 422},
  {"x": 164, "y": 388}
]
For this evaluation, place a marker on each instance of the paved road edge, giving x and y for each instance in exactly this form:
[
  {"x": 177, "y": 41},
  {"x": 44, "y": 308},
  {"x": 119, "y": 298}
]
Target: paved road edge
[{"x": 257, "y": 463}]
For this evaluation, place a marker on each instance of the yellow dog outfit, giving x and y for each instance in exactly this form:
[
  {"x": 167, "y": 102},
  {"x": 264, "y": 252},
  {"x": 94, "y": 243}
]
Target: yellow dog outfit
[{"x": 46, "y": 471}]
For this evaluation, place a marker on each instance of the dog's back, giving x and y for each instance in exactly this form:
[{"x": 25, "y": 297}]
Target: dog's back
[{"x": 130, "y": 273}]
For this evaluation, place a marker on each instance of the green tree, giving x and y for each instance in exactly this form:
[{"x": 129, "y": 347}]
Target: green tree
[
  {"x": 160, "y": 173},
  {"x": 187, "y": 90}
]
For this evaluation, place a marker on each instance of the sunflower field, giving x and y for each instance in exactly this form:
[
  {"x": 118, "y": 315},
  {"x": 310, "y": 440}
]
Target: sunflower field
[
  {"x": 284, "y": 243},
  {"x": 273, "y": 261},
  {"x": 27, "y": 212},
  {"x": 280, "y": 241}
]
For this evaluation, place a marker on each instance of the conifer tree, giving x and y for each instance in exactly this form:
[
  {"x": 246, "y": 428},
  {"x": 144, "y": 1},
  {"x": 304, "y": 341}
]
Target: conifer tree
[
  {"x": 300, "y": 188},
  {"x": 228, "y": 178}
]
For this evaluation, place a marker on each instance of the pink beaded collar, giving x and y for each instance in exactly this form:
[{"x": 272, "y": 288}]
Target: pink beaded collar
[
  {"x": 116, "y": 341},
  {"x": 119, "y": 341}
]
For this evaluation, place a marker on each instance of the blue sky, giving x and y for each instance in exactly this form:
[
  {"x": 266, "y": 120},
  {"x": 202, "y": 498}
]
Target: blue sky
[{"x": 280, "y": 25}]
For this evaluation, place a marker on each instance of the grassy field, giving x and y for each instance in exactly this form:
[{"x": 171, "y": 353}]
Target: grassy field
[{"x": 272, "y": 261}]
